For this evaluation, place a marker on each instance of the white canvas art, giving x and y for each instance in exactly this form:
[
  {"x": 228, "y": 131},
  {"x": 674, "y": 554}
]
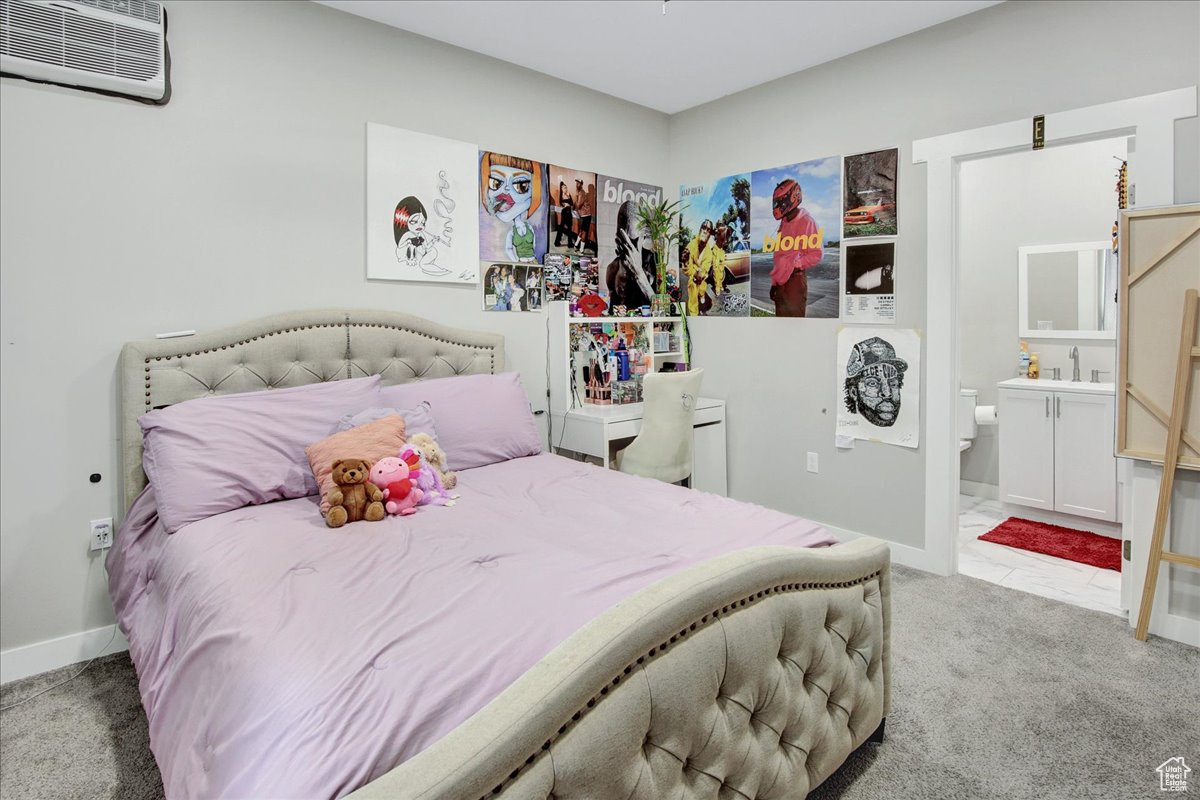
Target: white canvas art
[
  {"x": 879, "y": 385},
  {"x": 421, "y": 198}
]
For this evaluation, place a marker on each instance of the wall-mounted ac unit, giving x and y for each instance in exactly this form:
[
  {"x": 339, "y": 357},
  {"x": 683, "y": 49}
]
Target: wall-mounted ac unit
[{"x": 114, "y": 46}]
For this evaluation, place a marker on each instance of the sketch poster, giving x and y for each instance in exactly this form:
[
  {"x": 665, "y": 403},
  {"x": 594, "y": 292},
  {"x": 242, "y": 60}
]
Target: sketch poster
[
  {"x": 512, "y": 287},
  {"x": 628, "y": 268},
  {"x": 795, "y": 233},
  {"x": 421, "y": 223},
  {"x": 572, "y": 211},
  {"x": 870, "y": 283},
  {"x": 869, "y": 203},
  {"x": 879, "y": 380},
  {"x": 512, "y": 209},
  {"x": 714, "y": 247}
]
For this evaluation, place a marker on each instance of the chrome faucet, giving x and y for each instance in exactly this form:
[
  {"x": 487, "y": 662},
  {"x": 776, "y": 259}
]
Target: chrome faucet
[{"x": 1074, "y": 356}]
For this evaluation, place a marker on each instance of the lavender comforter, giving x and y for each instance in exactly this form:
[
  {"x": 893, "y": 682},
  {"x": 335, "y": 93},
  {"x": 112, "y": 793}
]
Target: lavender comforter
[{"x": 279, "y": 658}]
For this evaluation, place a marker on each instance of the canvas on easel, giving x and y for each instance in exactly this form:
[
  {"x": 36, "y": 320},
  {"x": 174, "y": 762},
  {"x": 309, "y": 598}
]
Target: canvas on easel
[
  {"x": 1159, "y": 339},
  {"x": 1160, "y": 261}
]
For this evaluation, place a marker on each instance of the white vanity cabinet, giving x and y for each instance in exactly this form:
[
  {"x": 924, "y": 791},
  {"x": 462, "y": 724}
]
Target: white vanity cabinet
[{"x": 1056, "y": 447}]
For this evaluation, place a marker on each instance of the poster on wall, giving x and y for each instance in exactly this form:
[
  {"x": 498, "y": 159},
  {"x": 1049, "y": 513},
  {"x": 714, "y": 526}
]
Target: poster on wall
[
  {"x": 512, "y": 209},
  {"x": 879, "y": 378},
  {"x": 714, "y": 246},
  {"x": 557, "y": 275},
  {"x": 512, "y": 287},
  {"x": 421, "y": 224},
  {"x": 795, "y": 230},
  {"x": 628, "y": 266},
  {"x": 869, "y": 199},
  {"x": 572, "y": 211},
  {"x": 869, "y": 283}
]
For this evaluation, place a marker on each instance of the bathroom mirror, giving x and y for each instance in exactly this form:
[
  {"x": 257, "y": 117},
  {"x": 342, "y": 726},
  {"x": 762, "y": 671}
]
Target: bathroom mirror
[{"x": 1066, "y": 291}]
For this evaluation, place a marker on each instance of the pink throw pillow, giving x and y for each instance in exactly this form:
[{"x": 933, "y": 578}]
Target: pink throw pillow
[{"x": 370, "y": 442}]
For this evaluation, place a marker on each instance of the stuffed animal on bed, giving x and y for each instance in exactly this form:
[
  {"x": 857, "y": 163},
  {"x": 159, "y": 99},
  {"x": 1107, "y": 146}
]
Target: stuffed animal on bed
[
  {"x": 398, "y": 477},
  {"x": 353, "y": 496},
  {"x": 434, "y": 457},
  {"x": 427, "y": 479}
]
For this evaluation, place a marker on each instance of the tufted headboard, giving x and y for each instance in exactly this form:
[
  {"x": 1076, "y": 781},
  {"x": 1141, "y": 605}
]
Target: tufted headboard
[{"x": 291, "y": 349}]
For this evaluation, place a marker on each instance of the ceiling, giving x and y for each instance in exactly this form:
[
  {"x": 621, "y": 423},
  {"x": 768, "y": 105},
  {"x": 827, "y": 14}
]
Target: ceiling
[{"x": 697, "y": 51}]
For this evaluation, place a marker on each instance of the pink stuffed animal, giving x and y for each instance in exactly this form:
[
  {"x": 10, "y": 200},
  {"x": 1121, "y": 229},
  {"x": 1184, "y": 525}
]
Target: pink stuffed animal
[{"x": 397, "y": 478}]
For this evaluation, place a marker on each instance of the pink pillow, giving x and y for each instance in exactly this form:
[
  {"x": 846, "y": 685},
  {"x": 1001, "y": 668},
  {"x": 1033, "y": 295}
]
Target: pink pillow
[
  {"x": 481, "y": 419},
  {"x": 371, "y": 442},
  {"x": 215, "y": 454}
]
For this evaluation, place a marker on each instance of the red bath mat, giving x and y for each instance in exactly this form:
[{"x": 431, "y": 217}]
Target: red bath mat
[{"x": 1053, "y": 540}]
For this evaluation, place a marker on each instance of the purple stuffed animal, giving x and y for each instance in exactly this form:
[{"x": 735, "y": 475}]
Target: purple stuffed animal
[{"x": 428, "y": 481}]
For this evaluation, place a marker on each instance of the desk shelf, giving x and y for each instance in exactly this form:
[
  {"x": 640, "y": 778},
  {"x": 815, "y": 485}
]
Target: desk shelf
[{"x": 567, "y": 386}]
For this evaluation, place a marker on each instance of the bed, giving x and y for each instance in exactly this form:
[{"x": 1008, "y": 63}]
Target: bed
[{"x": 537, "y": 640}]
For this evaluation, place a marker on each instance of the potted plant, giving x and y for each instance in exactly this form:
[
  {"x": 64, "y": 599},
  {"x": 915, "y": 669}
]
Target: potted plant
[{"x": 661, "y": 222}]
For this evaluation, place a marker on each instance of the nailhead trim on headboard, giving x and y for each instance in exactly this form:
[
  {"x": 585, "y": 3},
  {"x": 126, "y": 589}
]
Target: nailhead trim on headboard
[
  {"x": 347, "y": 324},
  {"x": 657, "y": 652}
]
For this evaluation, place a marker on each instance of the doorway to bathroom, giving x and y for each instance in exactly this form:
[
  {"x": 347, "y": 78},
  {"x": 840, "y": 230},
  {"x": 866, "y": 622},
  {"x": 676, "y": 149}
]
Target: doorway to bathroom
[{"x": 1037, "y": 353}]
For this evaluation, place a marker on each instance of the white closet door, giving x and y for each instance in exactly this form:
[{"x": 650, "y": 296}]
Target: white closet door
[
  {"x": 1027, "y": 448},
  {"x": 1085, "y": 470}
]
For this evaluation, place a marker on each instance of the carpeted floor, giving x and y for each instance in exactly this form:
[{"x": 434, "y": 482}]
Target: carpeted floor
[{"x": 996, "y": 694}]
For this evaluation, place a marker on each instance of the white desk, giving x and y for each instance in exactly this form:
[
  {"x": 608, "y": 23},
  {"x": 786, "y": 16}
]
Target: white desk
[{"x": 600, "y": 431}]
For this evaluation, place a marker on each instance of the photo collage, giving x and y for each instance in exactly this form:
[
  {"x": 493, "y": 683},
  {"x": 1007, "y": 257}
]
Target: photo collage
[{"x": 552, "y": 233}]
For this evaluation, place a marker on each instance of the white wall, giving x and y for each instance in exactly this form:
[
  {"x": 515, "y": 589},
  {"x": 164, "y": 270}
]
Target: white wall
[
  {"x": 242, "y": 197},
  {"x": 1010, "y": 61},
  {"x": 1052, "y": 196}
]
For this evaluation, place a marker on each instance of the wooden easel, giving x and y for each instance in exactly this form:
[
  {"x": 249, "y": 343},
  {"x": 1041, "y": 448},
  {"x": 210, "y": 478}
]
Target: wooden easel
[{"x": 1188, "y": 353}]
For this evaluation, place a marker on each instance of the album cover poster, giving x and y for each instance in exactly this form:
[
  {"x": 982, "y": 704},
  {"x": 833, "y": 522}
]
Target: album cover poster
[
  {"x": 421, "y": 224},
  {"x": 869, "y": 200},
  {"x": 572, "y": 211},
  {"x": 879, "y": 385},
  {"x": 714, "y": 246},
  {"x": 869, "y": 283},
  {"x": 513, "y": 209},
  {"x": 628, "y": 271},
  {"x": 795, "y": 238}
]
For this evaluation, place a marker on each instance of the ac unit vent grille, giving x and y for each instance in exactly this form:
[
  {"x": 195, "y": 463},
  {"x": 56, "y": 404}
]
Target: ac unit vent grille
[
  {"x": 138, "y": 9},
  {"x": 63, "y": 38}
]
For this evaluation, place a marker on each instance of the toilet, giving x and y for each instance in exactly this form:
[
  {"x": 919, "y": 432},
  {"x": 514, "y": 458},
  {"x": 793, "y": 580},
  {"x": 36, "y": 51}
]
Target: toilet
[{"x": 967, "y": 428}]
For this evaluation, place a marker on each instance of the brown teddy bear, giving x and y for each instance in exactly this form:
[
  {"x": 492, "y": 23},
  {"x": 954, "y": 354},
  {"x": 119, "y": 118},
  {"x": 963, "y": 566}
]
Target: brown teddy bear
[
  {"x": 435, "y": 457},
  {"x": 353, "y": 497}
]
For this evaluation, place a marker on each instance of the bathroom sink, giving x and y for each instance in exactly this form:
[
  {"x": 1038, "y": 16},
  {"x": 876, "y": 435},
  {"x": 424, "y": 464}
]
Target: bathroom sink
[{"x": 1051, "y": 385}]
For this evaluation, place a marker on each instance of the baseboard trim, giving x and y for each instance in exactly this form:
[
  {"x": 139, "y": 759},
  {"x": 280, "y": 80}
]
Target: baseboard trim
[
  {"x": 903, "y": 554},
  {"x": 988, "y": 491},
  {"x": 39, "y": 657}
]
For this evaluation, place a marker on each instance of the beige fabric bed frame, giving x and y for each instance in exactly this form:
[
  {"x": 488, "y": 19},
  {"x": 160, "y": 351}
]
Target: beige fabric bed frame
[{"x": 750, "y": 677}]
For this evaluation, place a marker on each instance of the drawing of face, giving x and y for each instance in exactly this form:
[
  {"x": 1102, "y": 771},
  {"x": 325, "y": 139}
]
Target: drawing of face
[
  {"x": 874, "y": 378},
  {"x": 878, "y": 391},
  {"x": 509, "y": 192},
  {"x": 416, "y": 222}
]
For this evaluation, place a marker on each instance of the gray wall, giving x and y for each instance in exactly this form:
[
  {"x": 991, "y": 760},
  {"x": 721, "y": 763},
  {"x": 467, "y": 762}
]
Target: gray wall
[
  {"x": 1007, "y": 62},
  {"x": 1052, "y": 196},
  {"x": 242, "y": 197}
]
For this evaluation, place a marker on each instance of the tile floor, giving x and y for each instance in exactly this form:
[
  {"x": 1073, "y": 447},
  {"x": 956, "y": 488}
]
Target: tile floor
[{"x": 1056, "y": 578}]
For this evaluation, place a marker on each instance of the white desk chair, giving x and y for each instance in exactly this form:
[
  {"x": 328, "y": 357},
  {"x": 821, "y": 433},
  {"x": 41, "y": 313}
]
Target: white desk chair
[{"x": 663, "y": 447}]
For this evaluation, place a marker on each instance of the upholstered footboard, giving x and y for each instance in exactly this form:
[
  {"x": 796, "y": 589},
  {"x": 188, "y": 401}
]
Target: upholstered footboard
[{"x": 750, "y": 676}]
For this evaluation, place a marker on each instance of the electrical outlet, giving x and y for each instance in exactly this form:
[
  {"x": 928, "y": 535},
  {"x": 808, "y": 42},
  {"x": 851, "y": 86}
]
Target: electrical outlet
[
  {"x": 812, "y": 462},
  {"x": 100, "y": 534}
]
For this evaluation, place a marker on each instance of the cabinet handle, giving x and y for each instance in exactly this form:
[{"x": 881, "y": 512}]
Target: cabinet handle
[
  {"x": 1047, "y": 406},
  {"x": 1057, "y": 407}
]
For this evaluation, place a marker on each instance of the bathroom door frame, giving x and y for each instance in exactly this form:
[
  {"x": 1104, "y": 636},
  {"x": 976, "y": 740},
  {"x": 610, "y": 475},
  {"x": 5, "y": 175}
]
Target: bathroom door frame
[{"x": 1150, "y": 119}]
